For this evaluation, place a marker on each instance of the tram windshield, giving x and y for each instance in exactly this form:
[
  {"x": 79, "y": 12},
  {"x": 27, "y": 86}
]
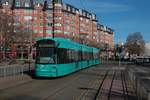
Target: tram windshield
[{"x": 45, "y": 54}]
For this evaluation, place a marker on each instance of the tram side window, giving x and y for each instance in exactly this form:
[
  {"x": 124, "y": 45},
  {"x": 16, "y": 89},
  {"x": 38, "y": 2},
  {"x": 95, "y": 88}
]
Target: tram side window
[
  {"x": 62, "y": 56},
  {"x": 79, "y": 55},
  {"x": 67, "y": 56},
  {"x": 95, "y": 55},
  {"x": 90, "y": 55},
  {"x": 73, "y": 55},
  {"x": 85, "y": 55}
]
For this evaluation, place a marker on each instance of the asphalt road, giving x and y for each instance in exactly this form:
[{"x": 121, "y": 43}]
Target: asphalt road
[{"x": 80, "y": 85}]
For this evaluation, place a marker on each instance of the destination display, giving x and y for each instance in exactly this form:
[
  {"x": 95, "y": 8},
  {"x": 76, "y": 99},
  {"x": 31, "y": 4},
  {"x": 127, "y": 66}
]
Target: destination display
[{"x": 46, "y": 45}]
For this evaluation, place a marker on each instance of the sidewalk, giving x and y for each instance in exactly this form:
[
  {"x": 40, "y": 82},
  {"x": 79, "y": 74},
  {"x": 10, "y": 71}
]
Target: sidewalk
[{"x": 11, "y": 81}]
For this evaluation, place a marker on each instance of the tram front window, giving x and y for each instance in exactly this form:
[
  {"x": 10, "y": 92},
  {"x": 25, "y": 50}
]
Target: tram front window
[{"x": 45, "y": 55}]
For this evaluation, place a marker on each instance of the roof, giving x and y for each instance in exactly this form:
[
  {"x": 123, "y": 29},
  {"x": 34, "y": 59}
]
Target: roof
[{"x": 69, "y": 44}]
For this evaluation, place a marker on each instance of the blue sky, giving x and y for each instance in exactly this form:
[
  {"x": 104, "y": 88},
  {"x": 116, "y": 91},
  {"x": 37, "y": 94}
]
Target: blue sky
[{"x": 124, "y": 16}]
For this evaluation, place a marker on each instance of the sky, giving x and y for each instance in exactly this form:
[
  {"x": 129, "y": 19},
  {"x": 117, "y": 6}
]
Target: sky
[{"x": 124, "y": 16}]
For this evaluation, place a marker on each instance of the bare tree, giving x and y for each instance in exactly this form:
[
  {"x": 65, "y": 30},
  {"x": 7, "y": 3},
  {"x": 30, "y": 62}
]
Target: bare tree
[
  {"x": 5, "y": 31},
  {"x": 135, "y": 44},
  {"x": 12, "y": 32}
]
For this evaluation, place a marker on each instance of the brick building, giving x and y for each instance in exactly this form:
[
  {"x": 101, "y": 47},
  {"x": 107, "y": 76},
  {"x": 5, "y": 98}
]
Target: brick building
[
  {"x": 41, "y": 19},
  {"x": 106, "y": 40}
]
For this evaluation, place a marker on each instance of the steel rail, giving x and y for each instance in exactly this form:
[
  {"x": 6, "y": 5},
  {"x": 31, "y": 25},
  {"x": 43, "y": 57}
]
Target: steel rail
[
  {"x": 101, "y": 84},
  {"x": 109, "y": 94}
]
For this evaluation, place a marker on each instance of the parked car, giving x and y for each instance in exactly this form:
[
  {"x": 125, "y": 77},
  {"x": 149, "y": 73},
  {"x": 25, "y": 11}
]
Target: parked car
[
  {"x": 146, "y": 60},
  {"x": 139, "y": 60}
]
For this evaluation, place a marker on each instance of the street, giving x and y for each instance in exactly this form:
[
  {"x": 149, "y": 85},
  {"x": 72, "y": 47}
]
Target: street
[{"x": 82, "y": 85}]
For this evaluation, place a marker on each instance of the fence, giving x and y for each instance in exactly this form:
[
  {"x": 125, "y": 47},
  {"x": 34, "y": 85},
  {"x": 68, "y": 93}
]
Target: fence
[{"x": 11, "y": 70}]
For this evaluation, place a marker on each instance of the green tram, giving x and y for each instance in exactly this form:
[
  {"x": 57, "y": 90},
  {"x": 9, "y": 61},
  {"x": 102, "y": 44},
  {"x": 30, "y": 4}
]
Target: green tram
[{"x": 58, "y": 57}]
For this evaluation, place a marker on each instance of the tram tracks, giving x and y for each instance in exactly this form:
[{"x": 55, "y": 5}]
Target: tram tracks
[
  {"x": 98, "y": 85},
  {"x": 60, "y": 89},
  {"x": 98, "y": 91},
  {"x": 106, "y": 88},
  {"x": 124, "y": 85}
]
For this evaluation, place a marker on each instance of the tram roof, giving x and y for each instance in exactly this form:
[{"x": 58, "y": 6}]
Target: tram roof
[{"x": 69, "y": 44}]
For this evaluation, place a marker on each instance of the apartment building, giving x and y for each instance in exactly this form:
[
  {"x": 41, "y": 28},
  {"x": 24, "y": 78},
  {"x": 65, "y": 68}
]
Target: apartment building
[
  {"x": 41, "y": 19},
  {"x": 106, "y": 40}
]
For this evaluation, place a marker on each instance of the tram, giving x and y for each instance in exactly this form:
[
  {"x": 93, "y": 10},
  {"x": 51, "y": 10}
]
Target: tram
[{"x": 59, "y": 56}]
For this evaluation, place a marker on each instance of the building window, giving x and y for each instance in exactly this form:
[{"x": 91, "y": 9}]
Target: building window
[
  {"x": 87, "y": 20},
  {"x": 35, "y": 18},
  {"x": 17, "y": 24},
  {"x": 66, "y": 32},
  {"x": 35, "y": 31},
  {"x": 49, "y": 17},
  {"x": 66, "y": 14},
  {"x": 41, "y": 31},
  {"x": 28, "y": 11},
  {"x": 41, "y": 17},
  {"x": 73, "y": 10},
  {"x": 58, "y": 24},
  {"x": 73, "y": 28},
  {"x": 49, "y": 11},
  {"x": 73, "y": 22},
  {"x": 49, "y": 31},
  {"x": 67, "y": 27},
  {"x": 17, "y": 18},
  {"x": 41, "y": 24},
  {"x": 68, "y": 8},
  {"x": 73, "y": 16},
  {"x": 27, "y": 30},
  {"x": 35, "y": 24},
  {"x": 49, "y": 24},
  {"x": 50, "y": 5},
  {"x": 58, "y": 18},
  {"x": 57, "y": 10},
  {"x": 57, "y": 31},
  {"x": 27, "y": 18},
  {"x": 27, "y": 24},
  {"x": 26, "y": 4},
  {"x": 18, "y": 4},
  {"x": 81, "y": 18}
]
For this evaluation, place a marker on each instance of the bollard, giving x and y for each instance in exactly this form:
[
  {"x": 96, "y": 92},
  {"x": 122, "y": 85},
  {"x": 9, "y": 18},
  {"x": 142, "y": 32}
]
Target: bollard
[
  {"x": 148, "y": 96},
  {"x": 1, "y": 72},
  {"x": 13, "y": 71},
  {"x": 22, "y": 70},
  {"x": 4, "y": 71}
]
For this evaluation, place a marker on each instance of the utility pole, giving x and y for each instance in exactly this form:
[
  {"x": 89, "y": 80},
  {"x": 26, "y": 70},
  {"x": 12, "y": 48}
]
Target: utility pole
[
  {"x": 44, "y": 20},
  {"x": 31, "y": 37},
  {"x": 53, "y": 27},
  {"x": 12, "y": 22}
]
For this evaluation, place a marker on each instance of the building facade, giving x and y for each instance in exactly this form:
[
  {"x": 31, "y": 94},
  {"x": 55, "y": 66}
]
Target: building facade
[
  {"x": 106, "y": 40},
  {"x": 147, "y": 49},
  {"x": 41, "y": 19}
]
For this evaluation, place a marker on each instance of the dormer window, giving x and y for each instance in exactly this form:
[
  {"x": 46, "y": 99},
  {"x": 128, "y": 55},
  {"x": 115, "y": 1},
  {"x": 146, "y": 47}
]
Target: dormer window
[
  {"x": 38, "y": 4},
  {"x": 26, "y": 4},
  {"x": 6, "y": 3},
  {"x": 73, "y": 10},
  {"x": 80, "y": 11},
  {"x": 69, "y": 9},
  {"x": 50, "y": 5},
  {"x": 77, "y": 11},
  {"x": 18, "y": 4}
]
